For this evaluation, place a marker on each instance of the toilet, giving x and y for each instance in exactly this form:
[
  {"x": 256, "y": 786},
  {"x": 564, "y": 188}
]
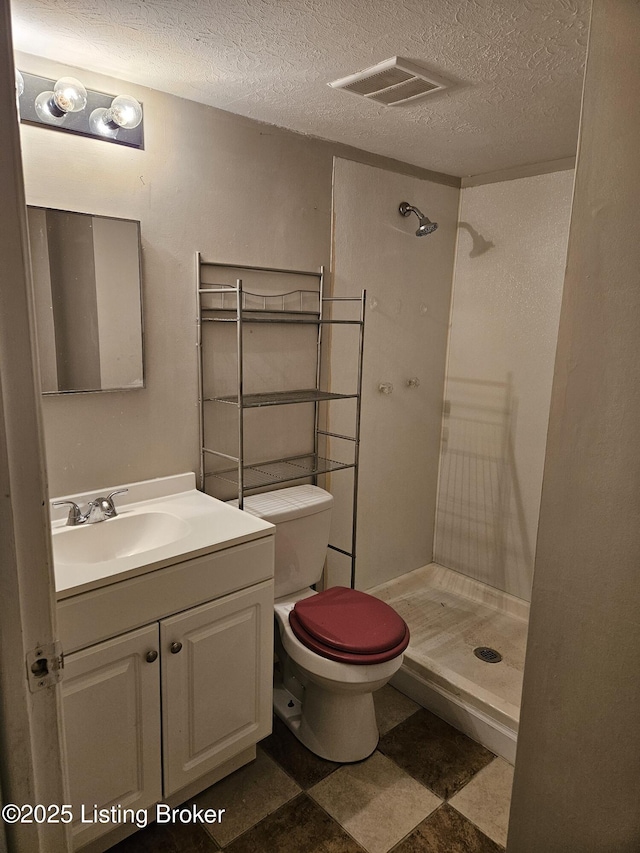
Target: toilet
[{"x": 335, "y": 647}]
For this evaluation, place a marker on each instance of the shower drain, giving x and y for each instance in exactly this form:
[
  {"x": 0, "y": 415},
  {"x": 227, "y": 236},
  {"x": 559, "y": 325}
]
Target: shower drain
[{"x": 487, "y": 655}]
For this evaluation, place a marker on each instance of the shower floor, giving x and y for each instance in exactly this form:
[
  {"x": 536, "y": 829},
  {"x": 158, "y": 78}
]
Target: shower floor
[{"x": 449, "y": 615}]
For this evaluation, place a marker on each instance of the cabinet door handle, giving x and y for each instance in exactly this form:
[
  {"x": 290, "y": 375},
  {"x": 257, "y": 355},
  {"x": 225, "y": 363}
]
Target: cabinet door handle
[
  {"x": 175, "y": 648},
  {"x": 151, "y": 656}
]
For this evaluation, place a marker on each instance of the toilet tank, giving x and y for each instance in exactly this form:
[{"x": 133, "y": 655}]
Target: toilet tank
[{"x": 302, "y": 515}]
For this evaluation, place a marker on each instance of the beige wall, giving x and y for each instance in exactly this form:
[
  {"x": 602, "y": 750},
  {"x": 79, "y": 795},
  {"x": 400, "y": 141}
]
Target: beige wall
[
  {"x": 510, "y": 265},
  {"x": 577, "y": 780},
  {"x": 207, "y": 181},
  {"x": 408, "y": 282}
]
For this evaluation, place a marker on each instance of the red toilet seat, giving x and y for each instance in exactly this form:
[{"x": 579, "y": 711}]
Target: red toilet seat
[{"x": 349, "y": 626}]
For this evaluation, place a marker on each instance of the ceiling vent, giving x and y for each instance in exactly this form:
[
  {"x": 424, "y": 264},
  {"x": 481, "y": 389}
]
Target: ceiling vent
[{"x": 394, "y": 81}]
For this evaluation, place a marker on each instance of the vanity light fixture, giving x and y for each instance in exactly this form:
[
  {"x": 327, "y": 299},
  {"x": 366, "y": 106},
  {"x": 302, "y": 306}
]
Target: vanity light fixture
[{"x": 66, "y": 105}]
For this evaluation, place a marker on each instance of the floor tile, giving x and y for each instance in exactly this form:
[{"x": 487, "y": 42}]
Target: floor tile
[
  {"x": 375, "y": 801},
  {"x": 447, "y": 831},
  {"x": 300, "y": 826},
  {"x": 435, "y": 753},
  {"x": 299, "y": 762},
  {"x": 248, "y": 795},
  {"x": 487, "y": 798},
  {"x": 392, "y": 707},
  {"x": 170, "y": 838}
]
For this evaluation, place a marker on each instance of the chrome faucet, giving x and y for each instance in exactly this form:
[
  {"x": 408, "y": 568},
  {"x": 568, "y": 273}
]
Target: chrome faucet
[{"x": 97, "y": 510}]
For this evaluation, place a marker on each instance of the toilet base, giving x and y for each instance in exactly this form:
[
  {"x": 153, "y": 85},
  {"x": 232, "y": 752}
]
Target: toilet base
[{"x": 337, "y": 727}]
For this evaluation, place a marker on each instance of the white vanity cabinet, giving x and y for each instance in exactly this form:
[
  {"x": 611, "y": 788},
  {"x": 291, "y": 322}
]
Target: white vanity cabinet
[
  {"x": 214, "y": 687},
  {"x": 111, "y": 701},
  {"x": 180, "y": 695}
]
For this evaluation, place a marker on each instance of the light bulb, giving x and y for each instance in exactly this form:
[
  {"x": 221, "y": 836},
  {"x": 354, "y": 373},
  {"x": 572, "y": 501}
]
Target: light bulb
[
  {"x": 68, "y": 96},
  {"x": 43, "y": 105},
  {"x": 19, "y": 89},
  {"x": 99, "y": 124},
  {"x": 124, "y": 111}
]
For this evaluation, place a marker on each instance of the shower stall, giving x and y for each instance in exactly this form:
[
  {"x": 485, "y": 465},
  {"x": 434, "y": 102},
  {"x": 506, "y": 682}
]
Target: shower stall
[{"x": 452, "y": 461}]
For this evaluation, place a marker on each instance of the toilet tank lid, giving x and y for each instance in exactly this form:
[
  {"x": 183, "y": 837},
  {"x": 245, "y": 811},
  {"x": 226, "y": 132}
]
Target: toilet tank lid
[{"x": 287, "y": 504}]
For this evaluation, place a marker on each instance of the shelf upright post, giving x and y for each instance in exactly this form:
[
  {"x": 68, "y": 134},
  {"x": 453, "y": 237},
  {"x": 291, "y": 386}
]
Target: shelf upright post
[
  {"x": 356, "y": 460},
  {"x": 316, "y": 426},
  {"x": 240, "y": 394},
  {"x": 200, "y": 368}
]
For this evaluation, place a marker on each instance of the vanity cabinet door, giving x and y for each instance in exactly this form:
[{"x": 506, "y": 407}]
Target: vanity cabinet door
[
  {"x": 216, "y": 682},
  {"x": 111, "y": 703}
]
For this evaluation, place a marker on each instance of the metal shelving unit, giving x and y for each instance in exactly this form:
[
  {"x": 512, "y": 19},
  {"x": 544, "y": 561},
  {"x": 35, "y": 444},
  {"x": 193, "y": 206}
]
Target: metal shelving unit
[
  {"x": 282, "y": 398},
  {"x": 227, "y": 303}
]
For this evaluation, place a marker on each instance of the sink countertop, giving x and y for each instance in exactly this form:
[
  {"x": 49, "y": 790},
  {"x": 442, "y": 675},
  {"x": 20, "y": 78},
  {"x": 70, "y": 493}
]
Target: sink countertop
[{"x": 212, "y": 526}]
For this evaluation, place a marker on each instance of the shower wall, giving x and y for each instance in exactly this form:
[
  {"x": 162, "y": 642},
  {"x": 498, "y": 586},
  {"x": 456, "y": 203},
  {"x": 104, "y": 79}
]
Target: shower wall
[
  {"x": 408, "y": 282},
  {"x": 509, "y": 273}
]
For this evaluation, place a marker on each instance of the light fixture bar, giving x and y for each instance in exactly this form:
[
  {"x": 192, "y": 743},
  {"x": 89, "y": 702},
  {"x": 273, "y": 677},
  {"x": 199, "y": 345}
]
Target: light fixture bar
[{"x": 75, "y": 122}]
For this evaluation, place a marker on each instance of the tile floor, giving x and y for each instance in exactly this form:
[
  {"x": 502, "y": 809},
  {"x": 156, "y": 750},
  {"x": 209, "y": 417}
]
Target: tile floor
[{"x": 426, "y": 789}]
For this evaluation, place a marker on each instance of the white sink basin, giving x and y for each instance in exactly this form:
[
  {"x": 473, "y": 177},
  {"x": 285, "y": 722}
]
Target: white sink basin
[
  {"x": 118, "y": 537},
  {"x": 159, "y": 523}
]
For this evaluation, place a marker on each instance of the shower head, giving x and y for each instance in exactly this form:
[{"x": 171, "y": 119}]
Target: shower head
[{"x": 426, "y": 226}]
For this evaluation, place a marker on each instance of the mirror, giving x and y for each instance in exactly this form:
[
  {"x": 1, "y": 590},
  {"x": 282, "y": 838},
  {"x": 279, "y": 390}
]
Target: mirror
[{"x": 88, "y": 300}]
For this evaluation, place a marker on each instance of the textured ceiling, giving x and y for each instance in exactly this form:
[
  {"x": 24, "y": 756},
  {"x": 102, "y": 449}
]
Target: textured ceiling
[{"x": 516, "y": 65}]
